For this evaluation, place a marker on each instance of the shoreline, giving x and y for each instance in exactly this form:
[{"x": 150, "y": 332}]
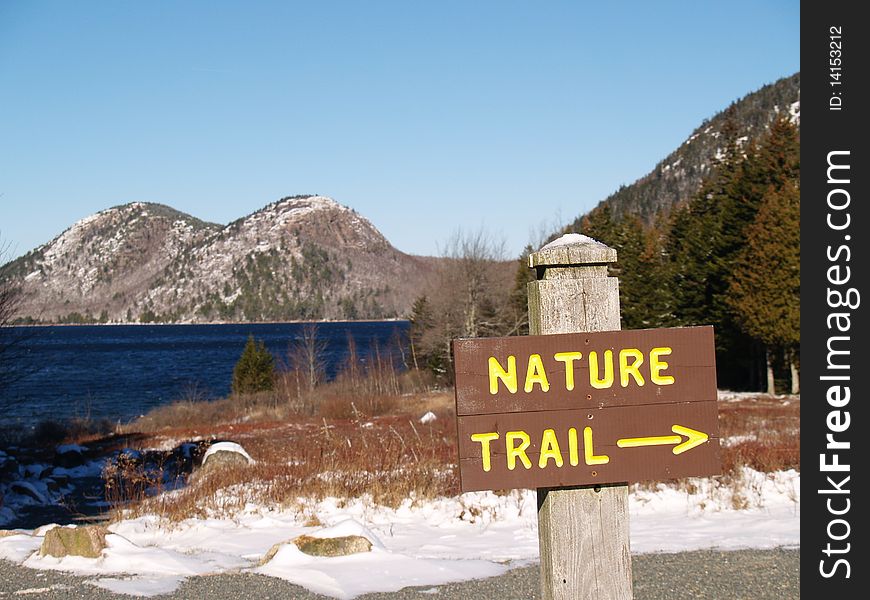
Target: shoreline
[{"x": 301, "y": 322}]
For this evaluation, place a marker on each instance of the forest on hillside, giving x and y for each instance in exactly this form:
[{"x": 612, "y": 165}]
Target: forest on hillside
[{"x": 729, "y": 257}]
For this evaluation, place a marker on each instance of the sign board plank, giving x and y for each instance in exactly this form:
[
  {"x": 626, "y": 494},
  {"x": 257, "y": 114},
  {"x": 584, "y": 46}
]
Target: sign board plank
[
  {"x": 691, "y": 363},
  {"x": 587, "y": 442},
  {"x": 588, "y": 408}
]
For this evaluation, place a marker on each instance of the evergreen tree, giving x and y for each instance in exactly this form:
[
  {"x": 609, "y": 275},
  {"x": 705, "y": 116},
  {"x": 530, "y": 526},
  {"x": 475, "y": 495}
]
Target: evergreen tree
[
  {"x": 765, "y": 288},
  {"x": 708, "y": 236},
  {"x": 696, "y": 242},
  {"x": 422, "y": 321},
  {"x": 702, "y": 245},
  {"x": 255, "y": 369},
  {"x": 599, "y": 225},
  {"x": 640, "y": 266},
  {"x": 771, "y": 163},
  {"x": 649, "y": 285}
]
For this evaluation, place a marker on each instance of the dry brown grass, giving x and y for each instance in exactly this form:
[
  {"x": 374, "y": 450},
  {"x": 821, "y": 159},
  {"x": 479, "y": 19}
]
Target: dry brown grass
[
  {"x": 388, "y": 459},
  {"x": 374, "y": 446},
  {"x": 375, "y": 391},
  {"x": 761, "y": 432}
]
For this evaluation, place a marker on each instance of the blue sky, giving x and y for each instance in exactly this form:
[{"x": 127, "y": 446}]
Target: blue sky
[{"x": 426, "y": 118}]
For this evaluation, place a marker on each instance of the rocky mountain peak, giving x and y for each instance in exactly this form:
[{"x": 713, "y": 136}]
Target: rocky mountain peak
[
  {"x": 301, "y": 257},
  {"x": 679, "y": 175}
]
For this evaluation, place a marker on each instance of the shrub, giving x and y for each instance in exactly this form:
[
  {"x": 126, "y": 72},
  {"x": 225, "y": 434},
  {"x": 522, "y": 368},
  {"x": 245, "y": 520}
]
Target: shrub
[{"x": 255, "y": 370}]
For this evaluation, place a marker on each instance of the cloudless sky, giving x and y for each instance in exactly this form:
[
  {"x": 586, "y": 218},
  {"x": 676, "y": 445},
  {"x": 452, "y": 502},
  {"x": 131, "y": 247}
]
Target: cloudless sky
[{"x": 425, "y": 117}]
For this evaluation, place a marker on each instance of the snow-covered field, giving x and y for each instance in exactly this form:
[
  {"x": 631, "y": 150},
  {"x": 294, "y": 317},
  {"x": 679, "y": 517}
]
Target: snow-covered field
[{"x": 419, "y": 544}]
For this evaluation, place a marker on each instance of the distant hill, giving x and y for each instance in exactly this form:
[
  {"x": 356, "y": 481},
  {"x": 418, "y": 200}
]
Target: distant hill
[
  {"x": 676, "y": 178},
  {"x": 302, "y": 257}
]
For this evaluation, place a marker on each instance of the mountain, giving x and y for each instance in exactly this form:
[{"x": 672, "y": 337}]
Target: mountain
[
  {"x": 678, "y": 177},
  {"x": 302, "y": 257}
]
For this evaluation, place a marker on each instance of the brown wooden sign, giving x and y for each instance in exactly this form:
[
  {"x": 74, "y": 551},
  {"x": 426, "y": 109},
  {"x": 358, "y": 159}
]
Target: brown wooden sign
[{"x": 586, "y": 408}]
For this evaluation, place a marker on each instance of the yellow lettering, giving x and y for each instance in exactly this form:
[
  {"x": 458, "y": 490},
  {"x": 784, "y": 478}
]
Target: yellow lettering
[
  {"x": 536, "y": 374},
  {"x": 485, "y": 439},
  {"x": 514, "y": 452},
  {"x": 573, "y": 455},
  {"x": 508, "y": 377},
  {"x": 549, "y": 449},
  {"x": 607, "y": 380},
  {"x": 568, "y": 358},
  {"x": 632, "y": 369},
  {"x": 589, "y": 451},
  {"x": 656, "y": 366}
]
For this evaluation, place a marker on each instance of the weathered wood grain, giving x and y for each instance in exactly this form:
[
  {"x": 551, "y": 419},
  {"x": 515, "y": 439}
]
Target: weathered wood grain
[{"x": 583, "y": 532}]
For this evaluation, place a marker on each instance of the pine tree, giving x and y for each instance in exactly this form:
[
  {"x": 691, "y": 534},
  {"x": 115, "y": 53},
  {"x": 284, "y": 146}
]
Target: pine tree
[
  {"x": 771, "y": 163},
  {"x": 765, "y": 289},
  {"x": 422, "y": 322},
  {"x": 708, "y": 236},
  {"x": 641, "y": 268},
  {"x": 650, "y": 284},
  {"x": 255, "y": 369},
  {"x": 599, "y": 225},
  {"x": 702, "y": 245}
]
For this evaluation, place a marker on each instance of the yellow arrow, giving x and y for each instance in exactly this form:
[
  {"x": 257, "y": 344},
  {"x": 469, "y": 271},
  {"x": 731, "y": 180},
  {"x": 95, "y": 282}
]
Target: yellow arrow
[{"x": 695, "y": 438}]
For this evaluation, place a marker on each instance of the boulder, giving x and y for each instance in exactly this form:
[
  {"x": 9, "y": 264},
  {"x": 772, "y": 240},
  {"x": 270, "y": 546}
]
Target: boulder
[
  {"x": 225, "y": 454},
  {"x": 326, "y": 546},
  {"x": 88, "y": 541},
  {"x": 332, "y": 546}
]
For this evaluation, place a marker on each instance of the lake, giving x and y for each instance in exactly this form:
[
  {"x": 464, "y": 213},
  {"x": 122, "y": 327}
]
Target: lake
[{"x": 120, "y": 372}]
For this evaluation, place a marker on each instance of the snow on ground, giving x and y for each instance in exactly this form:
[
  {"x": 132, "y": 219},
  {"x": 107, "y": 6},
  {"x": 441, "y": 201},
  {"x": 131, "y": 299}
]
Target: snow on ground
[{"x": 474, "y": 535}]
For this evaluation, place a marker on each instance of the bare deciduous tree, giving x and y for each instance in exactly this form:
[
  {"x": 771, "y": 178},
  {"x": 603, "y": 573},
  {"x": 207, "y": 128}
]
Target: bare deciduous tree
[
  {"x": 468, "y": 299},
  {"x": 306, "y": 362}
]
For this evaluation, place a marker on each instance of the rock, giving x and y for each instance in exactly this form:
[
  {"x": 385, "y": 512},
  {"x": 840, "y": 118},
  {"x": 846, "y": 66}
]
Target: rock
[
  {"x": 270, "y": 554},
  {"x": 35, "y": 470},
  {"x": 325, "y": 547},
  {"x": 69, "y": 456},
  {"x": 7, "y": 532},
  {"x": 25, "y": 488},
  {"x": 429, "y": 417},
  {"x": 185, "y": 457},
  {"x": 334, "y": 546},
  {"x": 88, "y": 541},
  {"x": 225, "y": 454}
]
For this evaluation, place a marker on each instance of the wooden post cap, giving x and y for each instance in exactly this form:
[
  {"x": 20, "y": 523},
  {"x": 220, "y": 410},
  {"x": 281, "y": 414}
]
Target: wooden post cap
[
  {"x": 572, "y": 249},
  {"x": 572, "y": 256}
]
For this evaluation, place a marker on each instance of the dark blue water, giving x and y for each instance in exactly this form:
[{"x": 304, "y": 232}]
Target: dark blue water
[{"x": 121, "y": 371}]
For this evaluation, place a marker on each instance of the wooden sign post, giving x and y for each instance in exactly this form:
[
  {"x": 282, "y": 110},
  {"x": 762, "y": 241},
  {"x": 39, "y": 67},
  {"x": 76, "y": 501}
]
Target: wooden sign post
[{"x": 577, "y": 409}]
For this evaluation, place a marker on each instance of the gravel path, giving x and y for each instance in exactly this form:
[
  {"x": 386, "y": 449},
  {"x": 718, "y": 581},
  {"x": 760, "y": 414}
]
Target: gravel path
[{"x": 755, "y": 574}]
